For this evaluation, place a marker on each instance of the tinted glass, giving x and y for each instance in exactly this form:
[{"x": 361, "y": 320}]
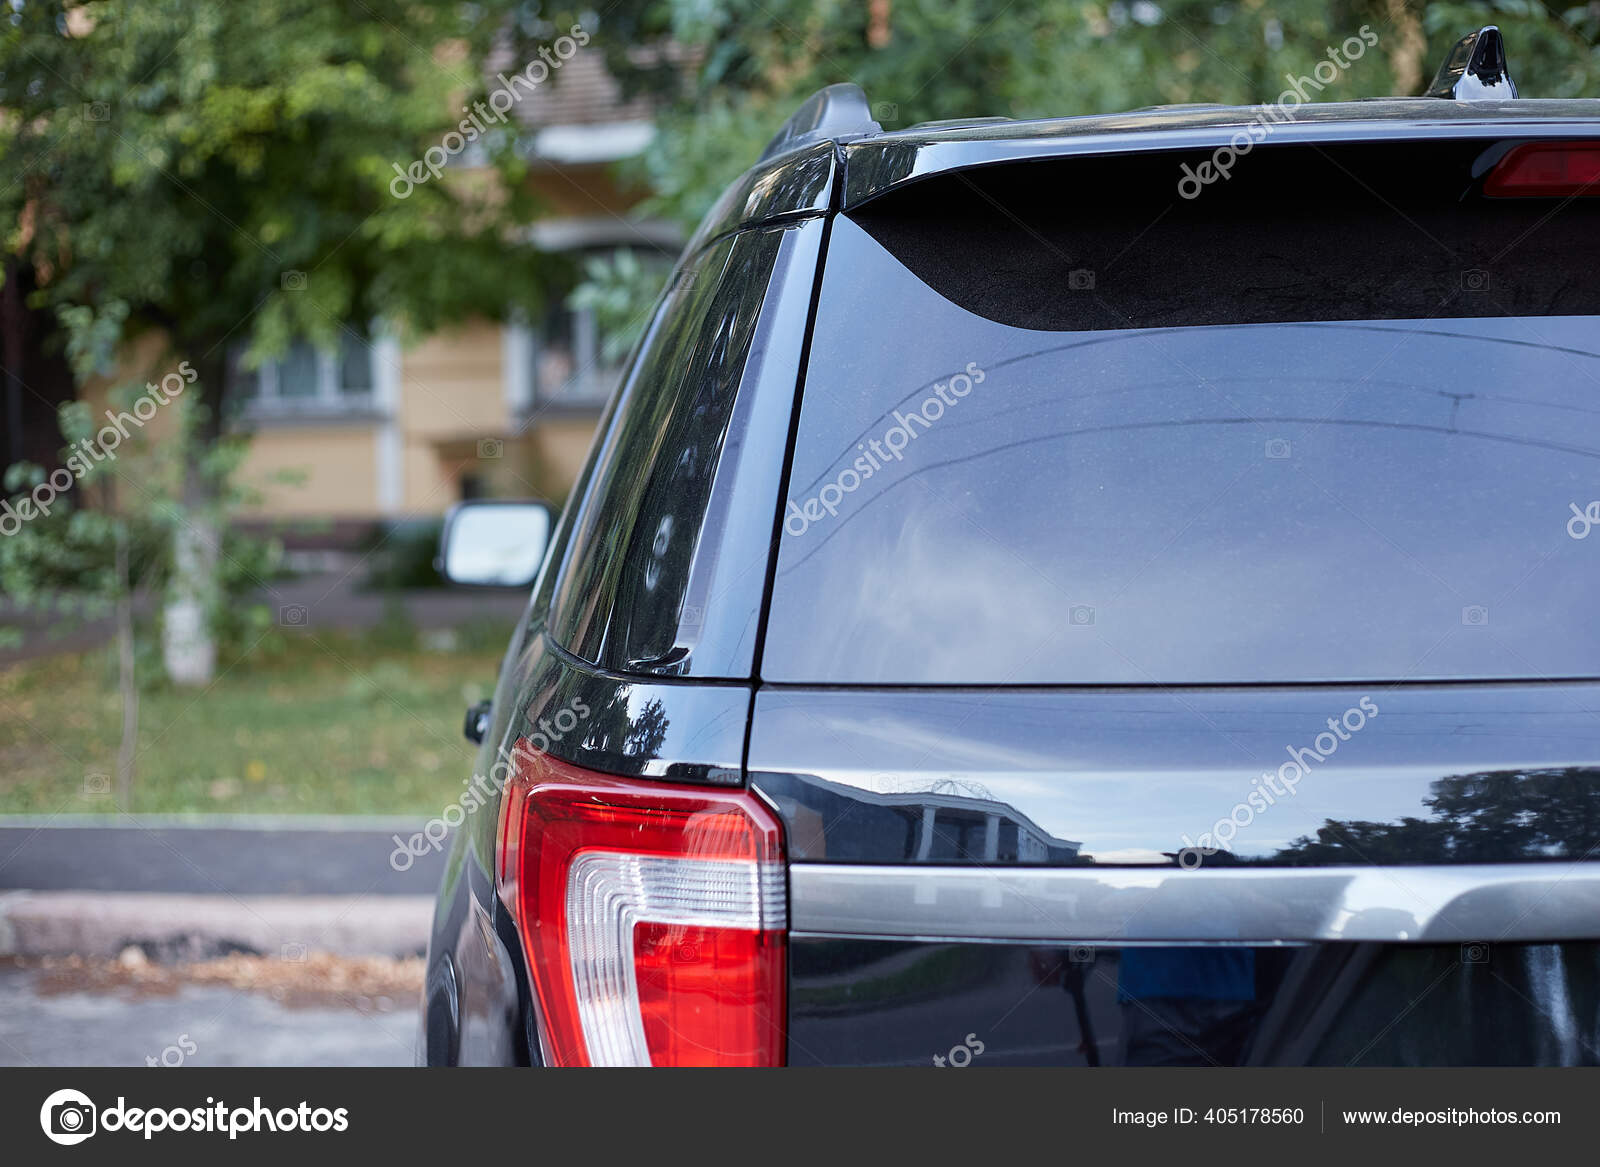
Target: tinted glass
[
  {"x": 621, "y": 601},
  {"x": 355, "y": 365},
  {"x": 1290, "y": 464},
  {"x": 298, "y": 371}
]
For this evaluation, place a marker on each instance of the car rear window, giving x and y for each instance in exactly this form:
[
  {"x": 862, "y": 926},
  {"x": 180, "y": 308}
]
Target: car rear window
[
  {"x": 1337, "y": 418},
  {"x": 621, "y": 600}
]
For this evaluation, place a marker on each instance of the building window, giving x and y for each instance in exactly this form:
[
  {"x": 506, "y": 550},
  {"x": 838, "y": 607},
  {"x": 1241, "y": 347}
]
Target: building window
[
  {"x": 307, "y": 381},
  {"x": 569, "y": 367},
  {"x": 574, "y": 355}
]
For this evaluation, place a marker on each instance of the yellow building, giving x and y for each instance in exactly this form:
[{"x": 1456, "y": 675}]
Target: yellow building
[{"x": 384, "y": 430}]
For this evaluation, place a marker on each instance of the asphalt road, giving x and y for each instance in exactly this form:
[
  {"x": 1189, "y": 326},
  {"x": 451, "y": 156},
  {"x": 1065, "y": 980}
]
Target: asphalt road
[
  {"x": 225, "y": 876},
  {"x": 196, "y": 1026},
  {"x": 215, "y": 855}
]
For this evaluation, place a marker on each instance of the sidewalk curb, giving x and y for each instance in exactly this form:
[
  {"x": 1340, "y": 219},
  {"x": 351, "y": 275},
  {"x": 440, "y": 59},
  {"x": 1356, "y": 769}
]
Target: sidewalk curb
[{"x": 196, "y": 927}]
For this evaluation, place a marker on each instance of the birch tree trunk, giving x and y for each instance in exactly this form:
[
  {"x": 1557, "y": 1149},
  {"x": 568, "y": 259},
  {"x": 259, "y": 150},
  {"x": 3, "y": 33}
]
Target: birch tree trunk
[
  {"x": 127, "y": 680},
  {"x": 188, "y": 635}
]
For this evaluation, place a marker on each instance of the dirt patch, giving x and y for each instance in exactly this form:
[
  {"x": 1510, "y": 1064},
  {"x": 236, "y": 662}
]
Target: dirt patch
[{"x": 369, "y": 984}]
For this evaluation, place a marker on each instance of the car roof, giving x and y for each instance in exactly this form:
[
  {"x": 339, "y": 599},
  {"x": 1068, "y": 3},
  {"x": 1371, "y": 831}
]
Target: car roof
[
  {"x": 832, "y": 155},
  {"x": 846, "y": 163},
  {"x": 876, "y": 163}
]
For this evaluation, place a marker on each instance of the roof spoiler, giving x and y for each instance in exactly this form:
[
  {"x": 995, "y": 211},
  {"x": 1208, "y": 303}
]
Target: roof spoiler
[
  {"x": 1475, "y": 70},
  {"x": 837, "y": 111}
]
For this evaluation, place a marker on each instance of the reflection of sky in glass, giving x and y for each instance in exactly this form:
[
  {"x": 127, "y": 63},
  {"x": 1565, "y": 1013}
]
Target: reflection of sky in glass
[{"x": 1430, "y": 466}]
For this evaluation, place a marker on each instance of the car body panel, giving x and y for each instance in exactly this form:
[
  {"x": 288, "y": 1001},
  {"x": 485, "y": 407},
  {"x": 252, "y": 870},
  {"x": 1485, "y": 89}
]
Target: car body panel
[
  {"x": 478, "y": 1003},
  {"x": 881, "y": 163},
  {"x": 794, "y": 185},
  {"x": 887, "y": 1003},
  {"x": 1119, "y": 777},
  {"x": 1108, "y": 781}
]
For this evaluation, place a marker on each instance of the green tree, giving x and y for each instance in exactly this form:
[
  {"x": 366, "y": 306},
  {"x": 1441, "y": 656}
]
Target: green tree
[
  {"x": 225, "y": 174},
  {"x": 923, "y": 60}
]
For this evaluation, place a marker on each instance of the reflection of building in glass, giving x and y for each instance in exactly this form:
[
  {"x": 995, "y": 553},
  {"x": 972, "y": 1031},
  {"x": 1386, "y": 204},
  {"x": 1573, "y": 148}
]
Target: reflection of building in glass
[
  {"x": 938, "y": 824},
  {"x": 951, "y": 827}
]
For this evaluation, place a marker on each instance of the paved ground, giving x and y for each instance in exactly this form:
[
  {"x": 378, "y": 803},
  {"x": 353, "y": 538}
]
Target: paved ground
[
  {"x": 214, "y": 855},
  {"x": 225, "y": 1027},
  {"x": 173, "y": 928},
  {"x": 210, "y": 941}
]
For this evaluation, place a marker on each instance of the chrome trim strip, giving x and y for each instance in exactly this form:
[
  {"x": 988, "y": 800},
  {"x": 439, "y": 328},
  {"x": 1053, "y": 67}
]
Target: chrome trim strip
[{"x": 1466, "y": 903}]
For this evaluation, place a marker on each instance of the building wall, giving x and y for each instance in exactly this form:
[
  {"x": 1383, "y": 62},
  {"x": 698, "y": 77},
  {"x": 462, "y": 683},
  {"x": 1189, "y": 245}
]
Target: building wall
[
  {"x": 452, "y": 430},
  {"x": 582, "y": 190},
  {"x": 559, "y": 447},
  {"x": 146, "y": 361},
  {"x": 452, "y": 385},
  {"x": 337, "y": 463},
  {"x": 451, "y": 397}
]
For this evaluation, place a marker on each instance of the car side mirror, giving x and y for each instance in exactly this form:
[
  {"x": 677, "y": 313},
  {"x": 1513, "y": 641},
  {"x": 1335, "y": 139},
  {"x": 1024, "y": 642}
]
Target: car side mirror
[
  {"x": 494, "y": 542},
  {"x": 479, "y": 718}
]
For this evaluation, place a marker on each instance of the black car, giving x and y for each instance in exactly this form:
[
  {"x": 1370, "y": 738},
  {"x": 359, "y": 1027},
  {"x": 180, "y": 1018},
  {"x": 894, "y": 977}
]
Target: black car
[{"x": 1112, "y": 590}]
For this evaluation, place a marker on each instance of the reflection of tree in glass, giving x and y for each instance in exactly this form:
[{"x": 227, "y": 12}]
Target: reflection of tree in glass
[
  {"x": 647, "y": 732},
  {"x": 1494, "y": 816},
  {"x": 613, "y": 729}
]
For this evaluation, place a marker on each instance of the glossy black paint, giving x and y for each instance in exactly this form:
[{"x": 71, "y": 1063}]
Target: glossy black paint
[
  {"x": 869, "y": 1002},
  {"x": 832, "y": 114},
  {"x": 477, "y": 721},
  {"x": 876, "y": 165},
  {"x": 630, "y": 726},
  {"x": 794, "y": 185},
  {"x": 872, "y": 1001},
  {"x": 1441, "y": 774},
  {"x": 1475, "y": 70},
  {"x": 477, "y": 1003}
]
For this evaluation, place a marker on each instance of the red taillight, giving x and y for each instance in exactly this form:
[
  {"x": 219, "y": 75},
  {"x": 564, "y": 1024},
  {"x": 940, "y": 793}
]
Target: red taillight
[
  {"x": 653, "y": 917},
  {"x": 1544, "y": 170}
]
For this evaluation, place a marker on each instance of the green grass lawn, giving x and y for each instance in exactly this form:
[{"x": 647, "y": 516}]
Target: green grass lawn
[{"x": 328, "y": 724}]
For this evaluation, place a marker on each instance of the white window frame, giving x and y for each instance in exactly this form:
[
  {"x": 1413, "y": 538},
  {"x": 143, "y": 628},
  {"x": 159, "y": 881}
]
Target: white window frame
[
  {"x": 329, "y": 400},
  {"x": 589, "y": 386}
]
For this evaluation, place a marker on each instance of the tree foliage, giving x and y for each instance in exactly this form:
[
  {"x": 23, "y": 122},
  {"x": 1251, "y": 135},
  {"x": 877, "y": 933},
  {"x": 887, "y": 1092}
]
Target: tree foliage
[
  {"x": 922, "y": 60},
  {"x": 222, "y": 176},
  {"x": 222, "y": 171}
]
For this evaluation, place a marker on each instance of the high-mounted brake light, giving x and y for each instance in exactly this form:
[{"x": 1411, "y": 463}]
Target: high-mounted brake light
[
  {"x": 653, "y": 917},
  {"x": 1546, "y": 170}
]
